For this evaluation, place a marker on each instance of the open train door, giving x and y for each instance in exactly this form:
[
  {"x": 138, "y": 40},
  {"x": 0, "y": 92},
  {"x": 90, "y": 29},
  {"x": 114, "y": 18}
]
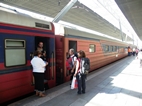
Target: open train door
[
  {"x": 69, "y": 43},
  {"x": 49, "y": 48},
  {"x": 60, "y": 56}
]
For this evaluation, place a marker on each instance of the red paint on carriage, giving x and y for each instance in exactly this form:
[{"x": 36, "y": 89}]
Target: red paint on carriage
[{"x": 15, "y": 85}]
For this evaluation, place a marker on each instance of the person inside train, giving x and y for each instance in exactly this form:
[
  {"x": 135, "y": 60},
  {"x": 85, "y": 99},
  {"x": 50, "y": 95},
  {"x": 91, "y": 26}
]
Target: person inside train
[
  {"x": 40, "y": 48},
  {"x": 38, "y": 71},
  {"x": 72, "y": 61},
  {"x": 79, "y": 73}
]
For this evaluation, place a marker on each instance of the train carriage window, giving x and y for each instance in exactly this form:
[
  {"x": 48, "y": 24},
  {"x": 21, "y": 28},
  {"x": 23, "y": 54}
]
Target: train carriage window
[
  {"x": 41, "y": 25},
  {"x": 92, "y": 48},
  {"x": 15, "y": 52},
  {"x": 106, "y": 48},
  {"x": 115, "y": 48},
  {"x": 111, "y": 48}
]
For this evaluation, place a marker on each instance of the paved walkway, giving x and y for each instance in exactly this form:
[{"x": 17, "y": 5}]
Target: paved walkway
[{"x": 118, "y": 84}]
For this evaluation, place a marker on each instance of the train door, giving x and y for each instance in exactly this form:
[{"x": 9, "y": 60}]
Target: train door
[
  {"x": 72, "y": 44},
  {"x": 59, "y": 59},
  {"x": 49, "y": 73}
]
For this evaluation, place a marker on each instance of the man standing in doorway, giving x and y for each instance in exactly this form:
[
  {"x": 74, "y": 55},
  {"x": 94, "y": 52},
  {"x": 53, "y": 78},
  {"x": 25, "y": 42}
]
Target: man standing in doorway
[{"x": 40, "y": 49}]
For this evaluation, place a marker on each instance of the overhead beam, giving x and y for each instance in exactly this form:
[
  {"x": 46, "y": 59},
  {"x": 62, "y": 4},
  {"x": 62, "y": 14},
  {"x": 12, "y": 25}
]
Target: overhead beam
[
  {"x": 121, "y": 30},
  {"x": 64, "y": 11},
  {"x": 126, "y": 38}
]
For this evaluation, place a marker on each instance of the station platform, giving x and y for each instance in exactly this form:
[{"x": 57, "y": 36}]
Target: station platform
[{"x": 117, "y": 84}]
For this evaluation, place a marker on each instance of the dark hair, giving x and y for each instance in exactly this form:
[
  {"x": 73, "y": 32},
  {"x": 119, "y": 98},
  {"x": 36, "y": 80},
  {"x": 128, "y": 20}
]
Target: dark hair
[
  {"x": 36, "y": 53},
  {"x": 82, "y": 54}
]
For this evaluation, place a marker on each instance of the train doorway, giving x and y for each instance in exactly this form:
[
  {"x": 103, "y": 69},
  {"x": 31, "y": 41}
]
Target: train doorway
[
  {"x": 46, "y": 51},
  {"x": 71, "y": 45}
]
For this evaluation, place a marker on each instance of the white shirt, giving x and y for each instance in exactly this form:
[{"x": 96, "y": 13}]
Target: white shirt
[
  {"x": 81, "y": 70},
  {"x": 73, "y": 59},
  {"x": 38, "y": 65}
]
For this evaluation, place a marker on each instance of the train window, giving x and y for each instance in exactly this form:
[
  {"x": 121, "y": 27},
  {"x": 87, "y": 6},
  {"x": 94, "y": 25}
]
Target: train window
[
  {"x": 15, "y": 52},
  {"x": 12, "y": 43},
  {"x": 115, "y": 48},
  {"x": 106, "y": 48},
  {"x": 92, "y": 48},
  {"x": 111, "y": 48},
  {"x": 41, "y": 25}
]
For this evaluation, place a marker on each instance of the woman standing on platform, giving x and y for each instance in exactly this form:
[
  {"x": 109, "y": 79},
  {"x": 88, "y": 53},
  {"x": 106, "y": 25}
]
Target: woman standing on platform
[
  {"x": 79, "y": 73},
  {"x": 38, "y": 71}
]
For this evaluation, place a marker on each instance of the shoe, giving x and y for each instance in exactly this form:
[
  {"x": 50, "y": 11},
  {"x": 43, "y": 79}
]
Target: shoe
[
  {"x": 83, "y": 92},
  {"x": 79, "y": 93},
  {"x": 42, "y": 95},
  {"x": 37, "y": 93}
]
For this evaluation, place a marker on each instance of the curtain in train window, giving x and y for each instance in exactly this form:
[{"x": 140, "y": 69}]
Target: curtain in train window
[{"x": 15, "y": 52}]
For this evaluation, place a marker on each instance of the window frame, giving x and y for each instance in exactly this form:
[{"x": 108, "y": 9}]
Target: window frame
[{"x": 14, "y": 47}]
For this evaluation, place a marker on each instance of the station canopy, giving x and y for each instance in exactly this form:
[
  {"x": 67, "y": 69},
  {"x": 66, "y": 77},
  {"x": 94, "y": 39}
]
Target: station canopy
[
  {"x": 132, "y": 9},
  {"x": 79, "y": 14}
]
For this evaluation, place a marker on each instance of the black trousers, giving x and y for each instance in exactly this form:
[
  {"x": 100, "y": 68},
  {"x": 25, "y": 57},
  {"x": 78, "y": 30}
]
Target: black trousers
[
  {"x": 39, "y": 81},
  {"x": 134, "y": 53},
  {"x": 72, "y": 74},
  {"x": 81, "y": 82}
]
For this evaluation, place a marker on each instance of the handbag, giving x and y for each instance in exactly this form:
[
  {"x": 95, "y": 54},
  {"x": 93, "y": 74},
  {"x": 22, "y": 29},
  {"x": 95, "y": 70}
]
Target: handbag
[{"x": 74, "y": 83}]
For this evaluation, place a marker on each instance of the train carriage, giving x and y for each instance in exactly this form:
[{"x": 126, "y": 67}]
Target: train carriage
[
  {"x": 100, "y": 50},
  {"x": 19, "y": 38}
]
